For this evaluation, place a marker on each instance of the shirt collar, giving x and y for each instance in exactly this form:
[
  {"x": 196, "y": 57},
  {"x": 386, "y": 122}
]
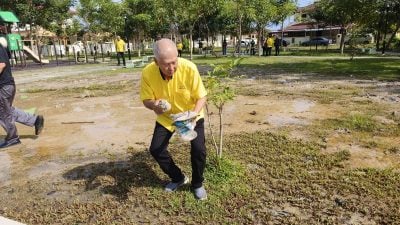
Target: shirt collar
[{"x": 162, "y": 75}]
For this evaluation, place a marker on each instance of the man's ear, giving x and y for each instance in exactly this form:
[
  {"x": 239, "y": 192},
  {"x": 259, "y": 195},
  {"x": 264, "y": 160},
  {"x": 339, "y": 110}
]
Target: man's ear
[{"x": 155, "y": 60}]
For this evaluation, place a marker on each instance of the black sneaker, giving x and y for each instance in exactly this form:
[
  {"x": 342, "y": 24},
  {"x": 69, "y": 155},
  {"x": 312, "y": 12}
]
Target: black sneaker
[
  {"x": 9, "y": 143},
  {"x": 39, "y": 123}
]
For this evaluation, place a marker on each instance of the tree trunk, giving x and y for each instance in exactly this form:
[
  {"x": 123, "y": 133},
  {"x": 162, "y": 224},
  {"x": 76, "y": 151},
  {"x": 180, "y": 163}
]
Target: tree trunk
[
  {"x": 191, "y": 42},
  {"x": 259, "y": 44},
  {"x": 211, "y": 131},
  {"x": 221, "y": 131},
  {"x": 378, "y": 37},
  {"x": 392, "y": 36},
  {"x": 342, "y": 36}
]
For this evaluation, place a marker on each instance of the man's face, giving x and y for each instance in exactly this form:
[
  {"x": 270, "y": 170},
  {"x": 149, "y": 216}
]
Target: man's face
[{"x": 168, "y": 64}]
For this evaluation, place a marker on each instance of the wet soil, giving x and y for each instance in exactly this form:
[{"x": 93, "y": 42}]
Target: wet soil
[{"x": 82, "y": 128}]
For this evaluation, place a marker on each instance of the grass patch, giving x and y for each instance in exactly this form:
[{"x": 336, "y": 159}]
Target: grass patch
[
  {"x": 92, "y": 90},
  {"x": 325, "y": 68},
  {"x": 267, "y": 178}
]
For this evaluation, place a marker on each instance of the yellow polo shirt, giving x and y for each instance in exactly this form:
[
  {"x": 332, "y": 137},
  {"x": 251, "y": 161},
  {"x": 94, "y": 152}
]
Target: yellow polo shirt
[
  {"x": 120, "y": 45},
  {"x": 270, "y": 42},
  {"x": 179, "y": 46},
  {"x": 182, "y": 91}
]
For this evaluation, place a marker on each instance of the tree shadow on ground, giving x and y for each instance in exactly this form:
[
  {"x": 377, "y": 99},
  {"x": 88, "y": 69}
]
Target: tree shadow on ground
[{"x": 134, "y": 172}]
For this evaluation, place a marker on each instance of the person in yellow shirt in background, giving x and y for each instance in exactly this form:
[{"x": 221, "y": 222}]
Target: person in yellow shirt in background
[
  {"x": 270, "y": 43},
  {"x": 179, "y": 46},
  {"x": 176, "y": 81},
  {"x": 120, "y": 48}
]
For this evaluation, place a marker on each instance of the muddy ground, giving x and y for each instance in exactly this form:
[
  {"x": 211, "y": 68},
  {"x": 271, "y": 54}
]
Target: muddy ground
[{"x": 93, "y": 115}]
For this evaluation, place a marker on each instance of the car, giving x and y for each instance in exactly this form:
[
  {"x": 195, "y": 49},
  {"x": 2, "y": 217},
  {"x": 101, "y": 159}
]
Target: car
[
  {"x": 316, "y": 41},
  {"x": 358, "y": 39},
  {"x": 244, "y": 43},
  {"x": 285, "y": 43}
]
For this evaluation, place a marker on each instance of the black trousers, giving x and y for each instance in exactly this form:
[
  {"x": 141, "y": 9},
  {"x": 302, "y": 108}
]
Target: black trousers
[
  {"x": 277, "y": 50},
  {"x": 159, "y": 150},
  {"x": 121, "y": 55},
  {"x": 269, "y": 50}
]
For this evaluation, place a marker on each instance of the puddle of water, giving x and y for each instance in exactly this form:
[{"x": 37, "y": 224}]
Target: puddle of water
[
  {"x": 46, "y": 169},
  {"x": 302, "y": 105},
  {"x": 285, "y": 120}
]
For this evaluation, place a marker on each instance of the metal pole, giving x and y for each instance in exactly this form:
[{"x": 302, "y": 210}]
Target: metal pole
[{"x": 127, "y": 38}]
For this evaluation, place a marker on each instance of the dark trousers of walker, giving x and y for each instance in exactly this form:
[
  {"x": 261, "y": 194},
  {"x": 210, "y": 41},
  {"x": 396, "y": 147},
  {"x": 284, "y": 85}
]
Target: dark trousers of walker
[
  {"x": 277, "y": 50},
  {"x": 121, "y": 55},
  {"x": 159, "y": 150}
]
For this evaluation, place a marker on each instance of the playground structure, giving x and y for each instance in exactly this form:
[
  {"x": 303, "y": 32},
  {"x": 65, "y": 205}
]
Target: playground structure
[
  {"x": 15, "y": 44},
  {"x": 44, "y": 47}
]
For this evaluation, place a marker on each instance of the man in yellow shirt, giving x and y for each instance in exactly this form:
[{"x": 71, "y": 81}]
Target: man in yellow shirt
[
  {"x": 120, "y": 48},
  {"x": 270, "y": 44},
  {"x": 177, "y": 81},
  {"x": 179, "y": 46}
]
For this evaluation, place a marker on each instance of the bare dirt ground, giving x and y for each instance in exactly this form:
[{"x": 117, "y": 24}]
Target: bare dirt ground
[{"x": 87, "y": 127}]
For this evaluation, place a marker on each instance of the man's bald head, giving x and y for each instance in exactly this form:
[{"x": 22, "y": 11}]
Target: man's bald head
[
  {"x": 164, "y": 49},
  {"x": 166, "y": 57}
]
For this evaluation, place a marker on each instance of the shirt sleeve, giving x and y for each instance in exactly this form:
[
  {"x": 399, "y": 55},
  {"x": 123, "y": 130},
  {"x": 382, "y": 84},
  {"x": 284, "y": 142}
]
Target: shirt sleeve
[
  {"x": 145, "y": 89},
  {"x": 199, "y": 90}
]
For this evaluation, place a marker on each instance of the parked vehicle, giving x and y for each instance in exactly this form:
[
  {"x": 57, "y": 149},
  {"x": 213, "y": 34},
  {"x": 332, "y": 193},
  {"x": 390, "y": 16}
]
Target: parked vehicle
[
  {"x": 285, "y": 43},
  {"x": 316, "y": 41},
  {"x": 358, "y": 39}
]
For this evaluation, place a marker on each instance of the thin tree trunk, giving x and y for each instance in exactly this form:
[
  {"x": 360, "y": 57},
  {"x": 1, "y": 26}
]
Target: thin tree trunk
[
  {"x": 259, "y": 44},
  {"x": 342, "y": 40},
  {"x": 211, "y": 130},
  {"x": 191, "y": 43},
  {"x": 392, "y": 36},
  {"x": 221, "y": 131}
]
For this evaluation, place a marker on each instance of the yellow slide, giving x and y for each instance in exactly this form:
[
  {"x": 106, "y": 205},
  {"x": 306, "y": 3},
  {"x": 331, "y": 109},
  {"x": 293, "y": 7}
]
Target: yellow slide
[{"x": 35, "y": 57}]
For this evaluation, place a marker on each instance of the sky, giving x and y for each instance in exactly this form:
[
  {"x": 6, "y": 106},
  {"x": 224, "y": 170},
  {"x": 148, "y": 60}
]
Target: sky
[
  {"x": 291, "y": 19},
  {"x": 304, "y": 2}
]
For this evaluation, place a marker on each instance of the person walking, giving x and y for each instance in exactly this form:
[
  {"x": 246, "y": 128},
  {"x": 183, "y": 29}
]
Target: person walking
[
  {"x": 8, "y": 113},
  {"x": 176, "y": 81},
  {"x": 120, "y": 48}
]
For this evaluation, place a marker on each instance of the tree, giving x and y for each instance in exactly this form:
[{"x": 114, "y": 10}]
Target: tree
[
  {"x": 341, "y": 12},
  {"x": 263, "y": 12},
  {"x": 102, "y": 15},
  {"x": 44, "y": 13},
  {"x": 284, "y": 9},
  {"x": 190, "y": 14},
  {"x": 219, "y": 93}
]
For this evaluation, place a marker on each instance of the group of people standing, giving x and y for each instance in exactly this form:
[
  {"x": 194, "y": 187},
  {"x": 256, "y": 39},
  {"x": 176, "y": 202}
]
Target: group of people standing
[{"x": 269, "y": 43}]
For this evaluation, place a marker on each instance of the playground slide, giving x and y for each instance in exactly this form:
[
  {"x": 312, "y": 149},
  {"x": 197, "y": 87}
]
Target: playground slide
[{"x": 35, "y": 57}]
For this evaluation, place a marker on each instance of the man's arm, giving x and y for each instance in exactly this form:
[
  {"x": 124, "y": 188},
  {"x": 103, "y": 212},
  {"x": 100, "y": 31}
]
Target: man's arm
[
  {"x": 2, "y": 66},
  {"x": 153, "y": 105},
  {"x": 200, "y": 104}
]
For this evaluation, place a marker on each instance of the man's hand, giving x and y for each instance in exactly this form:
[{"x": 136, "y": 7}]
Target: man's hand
[{"x": 154, "y": 105}]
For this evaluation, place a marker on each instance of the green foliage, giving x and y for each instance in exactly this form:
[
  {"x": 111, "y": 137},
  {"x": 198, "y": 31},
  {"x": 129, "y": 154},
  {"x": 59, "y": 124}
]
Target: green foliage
[
  {"x": 362, "y": 68},
  {"x": 39, "y": 12},
  {"x": 102, "y": 16},
  {"x": 218, "y": 91},
  {"x": 360, "y": 122}
]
